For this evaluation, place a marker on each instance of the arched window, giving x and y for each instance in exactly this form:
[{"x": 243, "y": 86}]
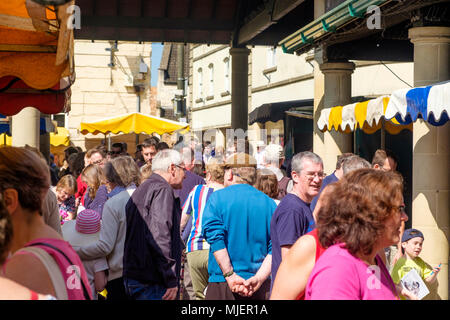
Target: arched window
[
  {"x": 271, "y": 57},
  {"x": 200, "y": 83},
  {"x": 226, "y": 62},
  {"x": 211, "y": 80}
]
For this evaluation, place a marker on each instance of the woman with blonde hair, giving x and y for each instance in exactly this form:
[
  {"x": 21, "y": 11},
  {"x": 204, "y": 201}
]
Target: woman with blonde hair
[
  {"x": 95, "y": 195},
  {"x": 41, "y": 260},
  {"x": 65, "y": 192}
]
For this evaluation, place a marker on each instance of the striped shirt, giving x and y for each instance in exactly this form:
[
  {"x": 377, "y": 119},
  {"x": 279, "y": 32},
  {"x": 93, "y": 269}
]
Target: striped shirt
[{"x": 195, "y": 205}]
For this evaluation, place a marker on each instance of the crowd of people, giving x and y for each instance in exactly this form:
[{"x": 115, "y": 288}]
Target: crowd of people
[{"x": 192, "y": 221}]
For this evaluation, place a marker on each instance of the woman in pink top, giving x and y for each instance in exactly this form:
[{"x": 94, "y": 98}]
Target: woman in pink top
[
  {"x": 41, "y": 260},
  {"x": 363, "y": 216}
]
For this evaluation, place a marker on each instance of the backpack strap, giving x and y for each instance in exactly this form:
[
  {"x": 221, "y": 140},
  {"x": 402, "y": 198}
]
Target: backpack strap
[
  {"x": 282, "y": 187},
  {"x": 53, "y": 271},
  {"x": 85, "y": 291}
]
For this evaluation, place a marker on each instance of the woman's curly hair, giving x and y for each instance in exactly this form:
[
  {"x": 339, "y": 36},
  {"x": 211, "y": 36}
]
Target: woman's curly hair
[
  {"x": 355, "y": 212},
  {"x": 6, "y": 231},
  {"x": 266, "y": 181}
]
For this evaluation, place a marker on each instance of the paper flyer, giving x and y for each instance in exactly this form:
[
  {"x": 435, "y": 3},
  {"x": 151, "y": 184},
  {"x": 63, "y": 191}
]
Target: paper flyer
[{"x": 414, "y": 283}]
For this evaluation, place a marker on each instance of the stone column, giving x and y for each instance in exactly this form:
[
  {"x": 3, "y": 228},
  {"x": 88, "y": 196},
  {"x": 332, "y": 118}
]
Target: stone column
[
  {"x": 332, "y": 87},
  {"x": 239, "y": 88},
  {"x": 431, "y": 154},
  {"x": 25, "y": 128},
  {"x": 44, "y": 140}
]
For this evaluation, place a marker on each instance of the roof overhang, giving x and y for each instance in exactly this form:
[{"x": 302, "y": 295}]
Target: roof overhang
[{"x": 237, "y": 22}]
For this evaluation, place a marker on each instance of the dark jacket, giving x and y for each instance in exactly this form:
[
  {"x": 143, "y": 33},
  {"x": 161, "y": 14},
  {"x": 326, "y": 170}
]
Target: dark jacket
[{"x": 152, "y": 252}]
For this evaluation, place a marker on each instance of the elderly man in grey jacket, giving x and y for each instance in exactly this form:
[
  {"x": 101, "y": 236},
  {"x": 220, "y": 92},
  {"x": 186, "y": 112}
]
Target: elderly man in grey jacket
[{"x": 152, "y": 252}]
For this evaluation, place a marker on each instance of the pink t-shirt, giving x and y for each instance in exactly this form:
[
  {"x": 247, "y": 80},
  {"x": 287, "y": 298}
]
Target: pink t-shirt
[{"x": 338, "y": 275}]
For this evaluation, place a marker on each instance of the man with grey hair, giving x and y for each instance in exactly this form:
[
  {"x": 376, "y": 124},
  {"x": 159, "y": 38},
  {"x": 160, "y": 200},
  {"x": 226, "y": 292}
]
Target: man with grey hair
[
  {"x": 236, "y": 225},
  {"x": 273, "y": 158},
  {"x": 334, "y": 177},
  {"x": 293, "y": 217},
  {"x": 354, "y": 163},
  {"x": 152, "y": 251}
]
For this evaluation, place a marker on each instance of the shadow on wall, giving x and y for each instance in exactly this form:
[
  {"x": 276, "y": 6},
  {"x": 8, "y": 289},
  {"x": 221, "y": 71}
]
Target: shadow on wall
[{"x": 431, "y": 197}]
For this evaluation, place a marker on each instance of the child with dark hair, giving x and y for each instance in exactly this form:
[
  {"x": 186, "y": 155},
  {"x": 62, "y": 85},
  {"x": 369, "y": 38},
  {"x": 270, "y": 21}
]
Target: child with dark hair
[{"x": 412, "y": 241}]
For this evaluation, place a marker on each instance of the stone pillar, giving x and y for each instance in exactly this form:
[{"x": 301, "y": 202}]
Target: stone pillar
[
  {"x": 25, "y": 128},
  {"x": 44, "y": 140},
  {"x": 332, "y": 87},
  {"x": 431, "y": 154},
  {"x": 239, "y": 88}
]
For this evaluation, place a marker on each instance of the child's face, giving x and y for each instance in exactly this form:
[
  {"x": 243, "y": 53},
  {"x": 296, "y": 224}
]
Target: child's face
[
  {"x": 413, "y": 247},
  {"x": 63, "y": 194}
]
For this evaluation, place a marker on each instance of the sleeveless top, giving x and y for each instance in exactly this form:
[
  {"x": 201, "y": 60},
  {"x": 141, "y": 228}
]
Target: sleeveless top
[
  {"x": 68, "y": 275},
  {"x": 319, "y": 251}
]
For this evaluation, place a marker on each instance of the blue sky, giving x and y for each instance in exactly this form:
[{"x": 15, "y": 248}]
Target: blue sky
[{"x": 156, "y": 59}]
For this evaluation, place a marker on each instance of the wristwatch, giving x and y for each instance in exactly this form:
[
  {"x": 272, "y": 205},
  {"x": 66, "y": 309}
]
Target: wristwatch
[{"x": 226, "y": 275}]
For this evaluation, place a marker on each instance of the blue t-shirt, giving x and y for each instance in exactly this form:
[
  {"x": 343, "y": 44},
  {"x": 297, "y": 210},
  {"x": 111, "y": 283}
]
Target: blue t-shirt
[
  {"x": 328, "y": 179},
  {"x": 291, "y": 220},
  {"x": 238, "y": 218}
]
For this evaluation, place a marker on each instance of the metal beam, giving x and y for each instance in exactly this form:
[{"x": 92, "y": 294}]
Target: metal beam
[
  {"x": 156, "y": 23},
  {"x": 274, "y": 11}
]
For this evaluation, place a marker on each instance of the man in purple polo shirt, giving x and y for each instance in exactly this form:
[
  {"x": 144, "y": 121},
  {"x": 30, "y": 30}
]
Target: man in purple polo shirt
[{"x": 293, "y": 217}]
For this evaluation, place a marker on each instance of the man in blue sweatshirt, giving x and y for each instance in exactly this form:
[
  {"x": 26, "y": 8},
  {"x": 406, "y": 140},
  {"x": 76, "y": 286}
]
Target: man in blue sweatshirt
[{"x": 236, "y": 224}]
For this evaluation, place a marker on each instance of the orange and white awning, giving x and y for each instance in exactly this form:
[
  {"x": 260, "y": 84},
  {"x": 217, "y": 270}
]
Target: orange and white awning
[{"x": 36, "y": 48}]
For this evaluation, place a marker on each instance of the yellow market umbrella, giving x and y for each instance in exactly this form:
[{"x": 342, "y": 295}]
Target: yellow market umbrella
[
  {"x": 61, "y": 138},
  {"x": 5, "y": 140},
  {"x": 56, "y": 139},
  {"x": 132, "y": 123}
]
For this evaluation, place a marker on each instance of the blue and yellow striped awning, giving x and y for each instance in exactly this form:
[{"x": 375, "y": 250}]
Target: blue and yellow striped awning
[
  {"x": 367, "y": 116},
  {"x": 399, "y": 111}
]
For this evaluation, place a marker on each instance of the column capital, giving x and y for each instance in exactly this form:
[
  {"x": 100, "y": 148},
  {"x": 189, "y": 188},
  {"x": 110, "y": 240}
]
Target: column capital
[
  {"x": 237, "y": 51},
  {"x": 429, "y": 35},
  {"x": 337, "y": 67}
]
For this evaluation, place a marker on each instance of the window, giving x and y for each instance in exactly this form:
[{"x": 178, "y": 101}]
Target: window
[
  {"x": 200, "y": 83},
  {"x": 226, "y": 62},
  {"x": 60, "y": 119},
  {"x": 271, "y": 57},
  {"x": 211, "y": 80}
]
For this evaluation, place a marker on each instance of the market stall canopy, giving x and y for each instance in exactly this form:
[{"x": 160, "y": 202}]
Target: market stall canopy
[
  {"x": 275, "y": 111},
  {"x": 16, "y": 95},
  {"x": 133, "y": 123},
  {"x": 46, "y": 125},
  {"x": 36, "y": 43},
  {"x": 431, "y": 103},
  {"x": 396, "y": 112},
  {"x": 367, "y": 116},
  {"x": 61, "y": 138}
]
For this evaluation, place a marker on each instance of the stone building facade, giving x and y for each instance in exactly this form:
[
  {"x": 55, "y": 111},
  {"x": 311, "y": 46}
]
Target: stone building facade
[{"x": 109, "y": 83}]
